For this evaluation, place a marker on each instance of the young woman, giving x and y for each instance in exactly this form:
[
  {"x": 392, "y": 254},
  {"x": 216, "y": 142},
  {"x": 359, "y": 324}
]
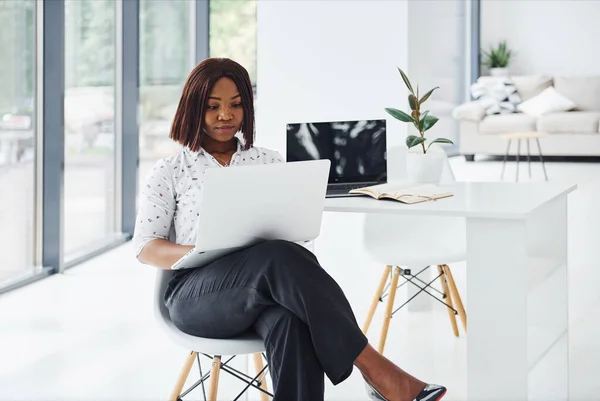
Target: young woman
[{"x": 276, "y": 288}]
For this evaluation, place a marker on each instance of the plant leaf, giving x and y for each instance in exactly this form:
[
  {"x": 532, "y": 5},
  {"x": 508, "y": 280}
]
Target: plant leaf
[
  {"x": 400, "y": 115},
  {"x": 406, "y": 81},
  {"x": 426, "y": 96},
  {"x": 498, "y": 57},
  {"x": 428, "y": 121},
  {"x": 412, "y": 101},
  {"x": 413, "y": 140},
  {"x": 440, "y": 140}
]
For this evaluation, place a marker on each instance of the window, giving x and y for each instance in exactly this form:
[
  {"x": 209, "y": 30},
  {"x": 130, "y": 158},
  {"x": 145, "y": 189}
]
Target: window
[
  {"x": 165, "y": 62},
  {"x": 233, "y": 32},
  {"x": 166, "y": 59},
  {"x": 17, "y": 139},
  {"x": 89, "y": 181}
]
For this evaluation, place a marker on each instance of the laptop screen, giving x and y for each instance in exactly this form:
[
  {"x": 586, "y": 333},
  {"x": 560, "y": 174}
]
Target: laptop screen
[{"x": 356, "y": 149}]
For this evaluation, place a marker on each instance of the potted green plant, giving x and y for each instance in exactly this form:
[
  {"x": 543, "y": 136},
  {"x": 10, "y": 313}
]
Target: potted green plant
[
  {"x": 497, "y": 59},
  {"x": 423, "y": 163}
]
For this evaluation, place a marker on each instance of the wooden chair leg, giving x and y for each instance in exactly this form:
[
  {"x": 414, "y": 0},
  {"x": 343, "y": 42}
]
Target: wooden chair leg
[
  {"x": 258, "y": 365},
  {"x": 376, "y": 298},
  {"x": 448, "y": 300},
  {"x": 213, "y": 386},
  {"x": 388, "y": 309},
  {"x": 183, "y": 375},
  {"x": 456, "y": 297}
]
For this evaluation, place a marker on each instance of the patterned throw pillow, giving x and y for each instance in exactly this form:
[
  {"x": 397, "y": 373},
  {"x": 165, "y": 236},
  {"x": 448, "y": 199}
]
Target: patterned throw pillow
[{"x": 497, "y": 97}]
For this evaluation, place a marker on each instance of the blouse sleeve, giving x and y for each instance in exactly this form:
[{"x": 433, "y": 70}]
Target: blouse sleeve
[{"x": 156, "y": 207}]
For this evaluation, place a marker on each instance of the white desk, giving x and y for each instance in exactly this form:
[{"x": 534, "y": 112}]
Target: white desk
[{"x": 517, "y": 341}]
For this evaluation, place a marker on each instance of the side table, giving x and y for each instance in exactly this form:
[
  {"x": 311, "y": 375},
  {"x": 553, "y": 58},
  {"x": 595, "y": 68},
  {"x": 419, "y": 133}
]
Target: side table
[{"x": 518, "y": 136}]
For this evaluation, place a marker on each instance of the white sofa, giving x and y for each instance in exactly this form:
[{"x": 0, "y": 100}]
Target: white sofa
[{"x": 571, "y": 133}]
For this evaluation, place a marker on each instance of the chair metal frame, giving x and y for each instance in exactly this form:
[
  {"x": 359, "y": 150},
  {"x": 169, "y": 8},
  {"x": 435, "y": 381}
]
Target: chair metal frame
[
  {"x": 388, "y": 289},
  {"x": 258, "y": 381}
]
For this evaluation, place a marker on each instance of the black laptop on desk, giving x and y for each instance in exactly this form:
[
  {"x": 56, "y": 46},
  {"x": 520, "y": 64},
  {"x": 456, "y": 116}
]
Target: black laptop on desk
[{"x": 356, "y": 149}]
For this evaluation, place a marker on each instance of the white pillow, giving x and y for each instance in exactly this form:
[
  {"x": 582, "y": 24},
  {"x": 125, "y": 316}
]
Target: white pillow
[
  {"x": 548, "y": 101},
  {"x": 469, "y": 111}
]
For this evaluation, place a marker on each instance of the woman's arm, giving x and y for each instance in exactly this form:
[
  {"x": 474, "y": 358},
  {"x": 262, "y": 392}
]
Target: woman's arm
[
  {"x": 157, "y": 204},
  {"x": 162, "y": 253}
]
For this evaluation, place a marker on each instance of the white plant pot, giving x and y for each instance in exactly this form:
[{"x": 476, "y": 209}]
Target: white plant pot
[
  {"x": 499, "y": 72},
  {"x": 424, "y": 168}
]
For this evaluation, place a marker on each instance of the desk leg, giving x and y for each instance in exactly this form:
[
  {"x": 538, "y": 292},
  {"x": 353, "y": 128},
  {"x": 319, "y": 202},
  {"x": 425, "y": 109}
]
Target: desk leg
[
  {"x": 504, "y": 162},
  {"x": 541, "y": 158},
  {"x": 517, "y": 346},
  {"x": 528, "y": 158},
  {"x": 518, "y": 157}
]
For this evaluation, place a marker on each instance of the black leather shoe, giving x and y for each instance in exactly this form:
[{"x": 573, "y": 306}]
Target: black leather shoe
[{"x": 431, "y": 392}]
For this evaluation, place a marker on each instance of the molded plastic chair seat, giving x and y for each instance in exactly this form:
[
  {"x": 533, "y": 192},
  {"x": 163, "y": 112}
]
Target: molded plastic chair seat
[
  {"x": 247, "y": 344},
  {"x": 415, "y": 241}
]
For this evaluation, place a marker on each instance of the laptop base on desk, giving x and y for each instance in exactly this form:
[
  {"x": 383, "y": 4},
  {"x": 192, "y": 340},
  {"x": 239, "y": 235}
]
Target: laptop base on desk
[{"x": 341, "y": 190}]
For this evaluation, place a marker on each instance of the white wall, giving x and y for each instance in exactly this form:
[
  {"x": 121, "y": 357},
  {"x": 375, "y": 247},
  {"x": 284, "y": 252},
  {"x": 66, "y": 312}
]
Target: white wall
[
  {"x": 555, "y": 37},
  {"x": 327, "y": 61}
]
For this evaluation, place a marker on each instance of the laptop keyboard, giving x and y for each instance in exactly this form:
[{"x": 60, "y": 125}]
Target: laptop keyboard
[
  {"x": 346, "y": 187},
  {"x": 342, "y": 190}
]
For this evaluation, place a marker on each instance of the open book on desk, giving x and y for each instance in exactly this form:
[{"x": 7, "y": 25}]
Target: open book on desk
[{"x": 404, "y": 192}]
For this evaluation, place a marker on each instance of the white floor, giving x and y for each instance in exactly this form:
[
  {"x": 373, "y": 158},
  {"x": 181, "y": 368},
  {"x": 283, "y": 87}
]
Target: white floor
[{"x": 89, "y": 334}]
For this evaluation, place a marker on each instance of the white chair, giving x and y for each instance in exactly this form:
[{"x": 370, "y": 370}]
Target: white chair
[
  {"x": 211, "y": 348},
  {"x": 415, "y": 242}
]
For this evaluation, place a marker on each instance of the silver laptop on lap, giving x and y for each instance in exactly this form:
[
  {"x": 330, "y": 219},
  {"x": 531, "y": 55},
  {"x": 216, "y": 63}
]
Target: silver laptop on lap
[
  {"x": 356, "y": 150},
  {"x": 241, "y": 206}
]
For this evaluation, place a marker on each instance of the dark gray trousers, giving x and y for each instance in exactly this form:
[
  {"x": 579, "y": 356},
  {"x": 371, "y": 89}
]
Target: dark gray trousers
[{"x": 279, "y": 290}]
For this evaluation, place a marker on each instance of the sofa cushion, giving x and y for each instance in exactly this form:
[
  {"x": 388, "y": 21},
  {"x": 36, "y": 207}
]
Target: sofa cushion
[
  {"x": 501, "y": 123},
  {"x": 530, "y": 86},
  {"x": 469, "y": 111},
  {"x": 549, "y": 101},
  {"x": 583, "y": 90},
  {"x": 583, "y": 122}
]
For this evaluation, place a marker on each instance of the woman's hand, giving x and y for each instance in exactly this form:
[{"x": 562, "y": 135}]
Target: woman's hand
[{"x": 162, "y": 253}]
